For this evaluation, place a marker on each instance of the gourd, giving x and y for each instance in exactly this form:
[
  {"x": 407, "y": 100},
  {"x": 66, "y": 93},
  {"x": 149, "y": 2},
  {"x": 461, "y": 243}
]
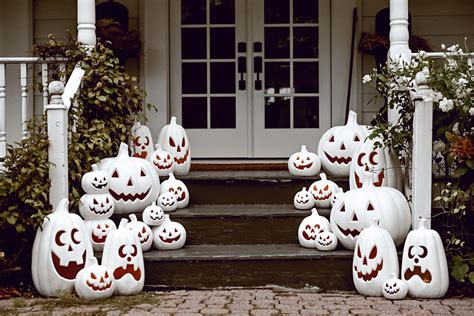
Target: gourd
[
  {"x": 179, "y": 189},
  {"x": 167, "y": 201},
  {"x": 162, "y": 160},
  {"x": 326, "y": 241},
  {"x": 323, "y": 191},
  {"x": 394, "y": 288},
  {"x": 153, "y": 215},
  {"x": 304, "y": 163},
  {"x": 95, "y": 181},
  {"x": 96, "y": 206},
  {"x": 303, "y": 200},
  {"x": 94, "y": 281},
  {"x": 310, "y": 227},
  {"x": 169, "y": 235}
]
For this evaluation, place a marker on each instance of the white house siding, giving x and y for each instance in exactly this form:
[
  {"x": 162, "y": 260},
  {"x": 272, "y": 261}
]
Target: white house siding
[{"x": 438, "y": 21}]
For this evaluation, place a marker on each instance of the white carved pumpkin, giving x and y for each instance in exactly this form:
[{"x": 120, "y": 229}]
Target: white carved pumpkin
[
  {"x": 336, "y": 196},
  {"x": 98, "y": 230},
  {"x": 162, "y": 160},
  {"x": 375, "y": 260},
  {"x": 94, "y": 281},
  {"x": 179, "y": 189},
  {"x": 143, "y": 232},
  {"x": 355, "y": 209},
  {"x": 424, "y": 265},
  {"x": 96, "y": 206},
  {"x": 310, "y": 227},
  {"x": 303, "y": 200},
  {"x": 167, "y": 201},
  {"x": 60, "y": 251},
  {"x": 134, "y": 182},
  {"x": 304, "y": 163},
  {"x": 124, "y": 257},
  {"x": 95, "y": 181},
  {"x": 394, "y": 288},
  {"x": 338, "y": 145},
  {"x": 174, "y": 140},
  {"x": 142, "y": 144},
  {"x": 169, "y": 235},
  {"x": 153, "y": 215},
  {"x": 326, "y": 241},
  {"x": 323, "y": 190},
  {"x": 381, "y": 161}
]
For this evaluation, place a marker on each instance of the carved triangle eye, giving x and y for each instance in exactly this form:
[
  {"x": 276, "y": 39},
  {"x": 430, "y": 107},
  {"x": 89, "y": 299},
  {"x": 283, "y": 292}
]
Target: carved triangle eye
[
  {"x": 370, "y": 207},
  {"x": 331, "y": 139}
]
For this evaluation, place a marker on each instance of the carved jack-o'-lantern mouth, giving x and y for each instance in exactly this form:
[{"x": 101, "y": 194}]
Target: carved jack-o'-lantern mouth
[
  {"x": 325, "y": 243},
  {"x": 181, "y": 197},
  {"x": 98, "y": 288},
  {"x": 183, "y": 159},
  {"x": 377, "y": 183},
  {"x": 352, "y": 233},
  {"x": 98, "y": 239},
  {"x": 121, "y": 272},
  {"x": 424, "y": 276},
  {"x": 70, "y": 271},
  {"x": 339, "y": 160},
  {"x": 302, "y": 201},
  {"x": 169, "y": 203},
  {"x": 130, "y": 196},
  {"x": 144, "y": 239},
  {"x": 99, "y": 185},
  {"x": 369, "y": 276},
  {"x": 308, "y": 237},
  {"x": 318, "y": 197},
  {"x": 143, "y": 154},
  {"x": 158, "y": 217},
  {"x": 99, "y": 212},
  {"x": 391, "y": 291},
  {"x": 302, "y": 167},
  {"x": 171, "y": 239},
  {"x": 164, "y": 166}
]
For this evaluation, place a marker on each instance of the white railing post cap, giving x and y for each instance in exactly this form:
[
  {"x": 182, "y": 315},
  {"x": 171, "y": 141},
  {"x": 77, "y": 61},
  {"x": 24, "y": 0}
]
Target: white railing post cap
[
  {"x": 55, "y": 88},
  {"x": 421, "y": 77}
]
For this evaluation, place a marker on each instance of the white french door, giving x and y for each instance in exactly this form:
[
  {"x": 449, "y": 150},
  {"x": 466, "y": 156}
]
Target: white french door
[{"x": 250, "y": 78}]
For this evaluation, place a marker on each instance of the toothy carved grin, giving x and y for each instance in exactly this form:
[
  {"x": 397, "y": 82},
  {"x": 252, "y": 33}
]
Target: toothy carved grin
[
  {"x": 307, "y": 237},
  {"x": 323, "y": 198},
  {"x": 99, "y": 186},
  {"x": 325, "y": 244},
  {"x": 170, "y": 240},
  {"x": 181, "y": 197},
  {"x": 339, "y": 160},
  {"x": 70, "y": 271},
  {"x": 302, "y": 201},
  {"x": 129, "y": 197},
  {"x": 141, "y": 155},
  {"x": 168, "y": 204},
  {"x": 121, "y": 272},
  {"x": 424, "y": 276},
  {"x": 369, "y": 276},
  {"x": 144, "y": 240},
  {"x": 377, "y": 183},
  {"x": 302, "y": 167},
  {"x": 99, "y": 289},
  {"x": 183, "y": 159},
  {"x": 98, "y": 240},
  {"x": 164, "y": 166},
  {"x": 156, "y": 218},
  {"x": 353, "y": 233},
  {"x": 93, "y": 209},
  {"x": 395, "y": 291}
]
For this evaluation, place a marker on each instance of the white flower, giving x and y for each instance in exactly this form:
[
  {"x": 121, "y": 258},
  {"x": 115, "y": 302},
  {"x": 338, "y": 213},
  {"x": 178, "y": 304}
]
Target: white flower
[
  {"x": 471, "y": 111},
  {"x": 438, "y": 146},
  {"x": 452, "y": 64},
  {"x": 453, "y": 48},
  {"x": 446, "y": 105},
  {"x": 438, "y": 96},
  {"x": 456, "y": 128},
  {"x": 366, "y": 79},
  {"x": 443, "y": 46},
  {"x": 462, "y": 81}
]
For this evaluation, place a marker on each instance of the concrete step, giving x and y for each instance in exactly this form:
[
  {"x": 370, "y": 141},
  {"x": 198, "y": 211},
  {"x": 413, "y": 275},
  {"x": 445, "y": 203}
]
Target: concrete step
[{"x": 204, "y": 266}]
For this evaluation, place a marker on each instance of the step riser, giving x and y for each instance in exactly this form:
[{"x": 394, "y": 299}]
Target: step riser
[{"x": 331, "y": 274}]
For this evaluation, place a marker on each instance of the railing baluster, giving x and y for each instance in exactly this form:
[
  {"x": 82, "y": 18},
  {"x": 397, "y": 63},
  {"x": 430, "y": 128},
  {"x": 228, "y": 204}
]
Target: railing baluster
[
  {"x": 3, "y": 132},
  {"x": 24, "y": 99},
  {"x": 44, "y": 83},
  {"x": 62, "y": 70}
]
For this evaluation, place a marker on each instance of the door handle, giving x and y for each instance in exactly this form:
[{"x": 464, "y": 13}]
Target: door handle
[
  {"x": 257, "y": 65},
  {"x": 242, "y": 64}
]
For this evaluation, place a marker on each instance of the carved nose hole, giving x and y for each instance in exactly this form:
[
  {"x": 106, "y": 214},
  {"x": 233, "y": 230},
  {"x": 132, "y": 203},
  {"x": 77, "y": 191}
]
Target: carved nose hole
[
  {"x": 365, "y": 261},
  {"x": 70, "y": 248},
  {"x": 367, "y": 168},
  {"x": 416, "y": 260},
  {"x": 130, "y": 183},
  {"x": 354, "y": 218},
  {"x": 343, "y": 147},
  {"x": 179, "y": 149}
]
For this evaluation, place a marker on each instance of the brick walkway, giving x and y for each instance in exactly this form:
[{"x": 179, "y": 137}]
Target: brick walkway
[{"x": 241, "y": 302}]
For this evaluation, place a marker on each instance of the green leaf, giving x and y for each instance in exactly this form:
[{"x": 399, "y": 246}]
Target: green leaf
[
  {"x": 460, "y": 171},
  {"x": 471, "y": 277},
  {"x": 459, "y": 272}
]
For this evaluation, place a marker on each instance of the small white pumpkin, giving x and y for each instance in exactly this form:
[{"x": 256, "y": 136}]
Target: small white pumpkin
[
  {"x": 95, "y": 181},
  {"x": 338, "y": 145},
  {"x": 336, "y": 196},
  {"x": 153, "y": 215},
  {"x": 60, "y": 251},
  {"x": 303, "y": 200},
  {"x": 424, "y": 265},
  {"x": 310, "y": 227},
  {"x": 98, "y": 231},
  {"x": 142, "y": 144},
  {"x": 323, "y": 191},
  {"x": 174, "y": 140},
  {"x": 304, "y": 163},
  {"x": 381, "y": 161},
  {"x": 143, "y": 231},
  {"x": 375, "y": 260},
  {"x": 394, "y": 288},
  {"x": 162, "y": 160},
  {"x": 169, "y": 235},
  {"x": 96, "y": 206},
  {"x": 94, "y": 281},
  {"x": 326, "y": 241},
  {"x": 167, "y": 201},
  {"x": 124, "y": 257},
  {"x": 179, "y": 189}
]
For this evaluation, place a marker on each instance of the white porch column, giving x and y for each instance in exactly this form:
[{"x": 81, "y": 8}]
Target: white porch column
[
  {"x": 86, "y": 22},
  {"x": 399, "y": 50}
]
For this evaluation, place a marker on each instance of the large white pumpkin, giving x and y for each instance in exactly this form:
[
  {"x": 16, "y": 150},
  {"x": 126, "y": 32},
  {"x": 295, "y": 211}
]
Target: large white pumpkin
[
  {"x": 310, "y": 227},
  {"x": 143, "y": 231},
  {"x": 354, "y": 210},
  {"x": 174, "y": 140},
  {"x": 323, "y": 190},
  {"x": 304, "y": 163},
  {"x": 169, "y": 235},
  {"x": 162, "y": 160},
  {"x": 94, "y": 281},
  {"x": 96, "y": 206},
  {"x": 134, "y": 182},
  {"x": 60, "y": 251},
  {"x": 179, "y": 189},
  {"x": 375, "y": 260},
  {"x": 338, "y": 145},
  {"x": 124, "y": 257},
  {"x": 98, "y": 230},
  {"x": 424, "y": 265},
  {"x": 142, "y": 143},
  {"x": 382, "y": 161},
  {"x": 95, "y": 181}
]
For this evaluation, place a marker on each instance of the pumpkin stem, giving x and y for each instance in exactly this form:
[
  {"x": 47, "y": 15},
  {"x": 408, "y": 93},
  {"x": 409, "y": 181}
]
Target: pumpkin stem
[
  {"x": 171, "y": 176},
  {"x": 123, "y": 223},
  {"x": 62, "y": 206},
  {"x": 314, "y": 212},
  {"x": 136, "y": 126},
  {"x": 424, "y": 223},
  {"x": 167, "y": 218},
  {"x": 374, "y": 221},
  {"x": 304, "y": 189},
  {"x": 157, "y": 146},
  {"x": 91, "y": 261},
  {"x": 304, "y": 149},
  {"x": 352, "y": 118},
  {"x": 133, "y": 217},
  {"x": 173, "y": 120},
  {"x": 123, "y": 150},
  {"x": 323, "y": 176},
  {"x": 95, "y": 167}
]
